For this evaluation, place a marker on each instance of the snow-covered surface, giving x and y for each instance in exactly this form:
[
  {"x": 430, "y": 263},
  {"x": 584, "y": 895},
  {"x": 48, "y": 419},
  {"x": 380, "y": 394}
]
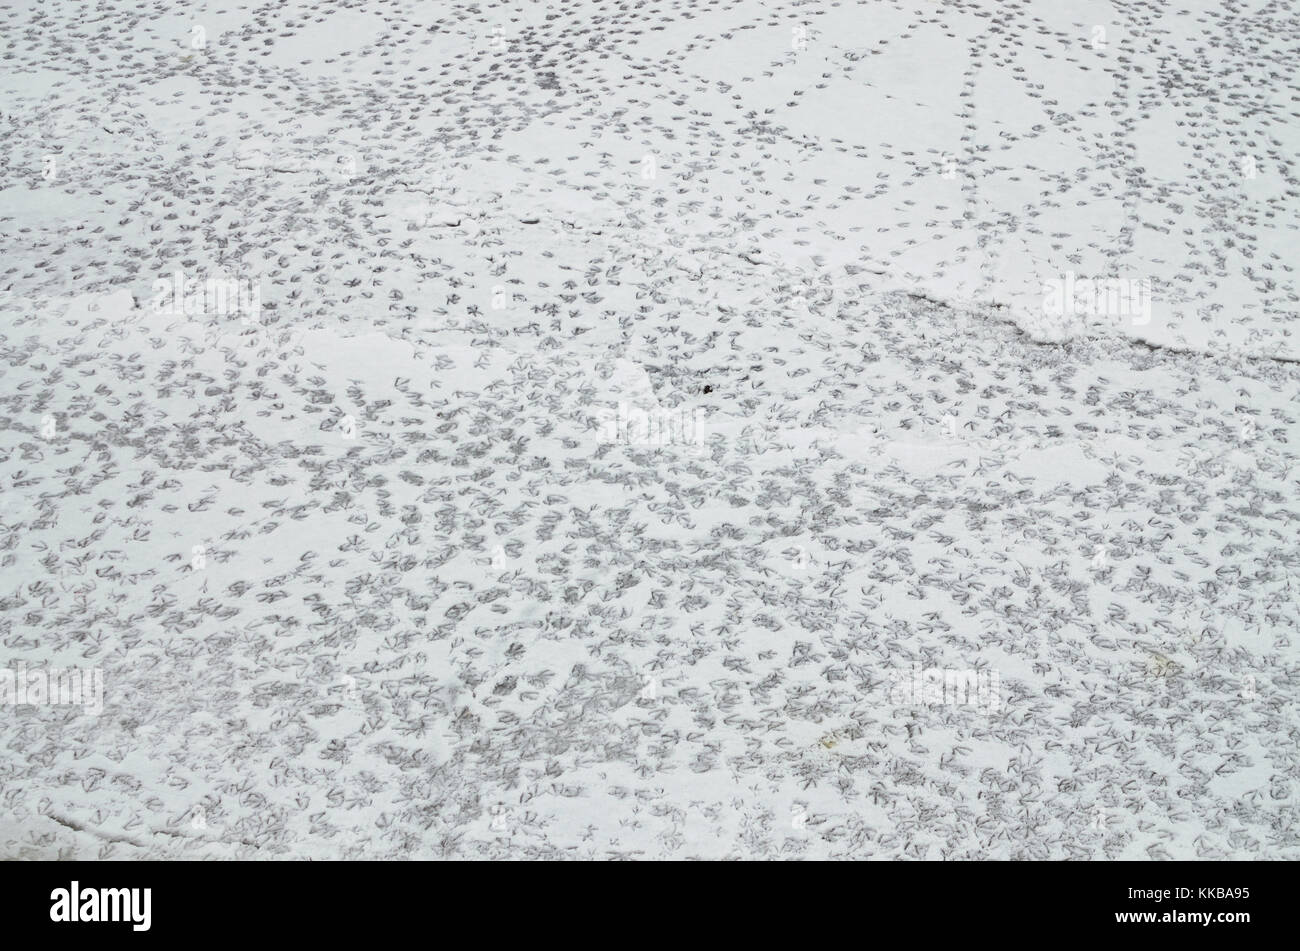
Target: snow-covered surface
[{"x": 367, "y": 575}]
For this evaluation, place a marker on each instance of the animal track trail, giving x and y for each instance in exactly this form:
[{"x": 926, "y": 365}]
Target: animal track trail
[{"x": 478, "y": 236}]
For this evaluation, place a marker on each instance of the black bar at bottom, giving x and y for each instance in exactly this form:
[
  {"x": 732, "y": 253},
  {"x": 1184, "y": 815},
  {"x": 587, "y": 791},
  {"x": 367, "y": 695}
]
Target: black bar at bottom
[{"x": 339, "y": 901}]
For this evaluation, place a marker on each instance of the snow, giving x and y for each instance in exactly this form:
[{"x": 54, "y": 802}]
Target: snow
[{"x": 368, "y": 576}]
